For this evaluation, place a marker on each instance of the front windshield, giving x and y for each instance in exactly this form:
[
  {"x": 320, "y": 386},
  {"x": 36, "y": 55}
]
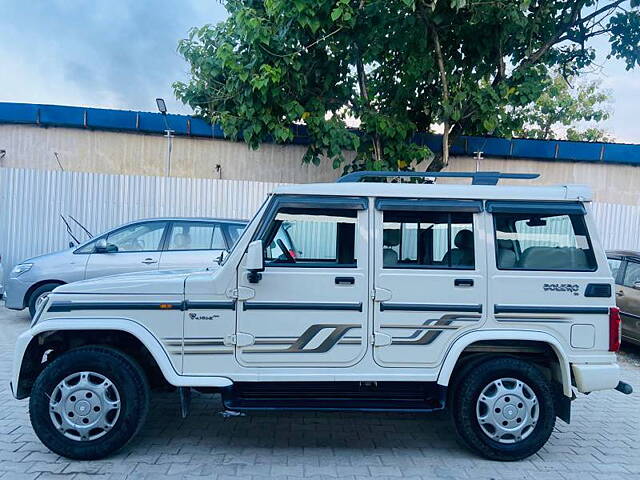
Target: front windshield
[{"x": 256, "y": 218}]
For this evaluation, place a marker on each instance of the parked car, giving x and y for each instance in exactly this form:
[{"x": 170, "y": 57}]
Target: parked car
[
  {"x": 1, "y": 278},
  {"x": 494, "y": 302},
  {"x": 625, "y": 268},
  {"x": 144, "y": 245}
]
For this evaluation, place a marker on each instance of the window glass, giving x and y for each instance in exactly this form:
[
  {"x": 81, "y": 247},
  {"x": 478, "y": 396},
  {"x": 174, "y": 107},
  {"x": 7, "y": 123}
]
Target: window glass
[
  {"x": 196, "y": 236},
  {"x": 235, "y": 230},
  {"x": 530, "y": 241},
  {"x": 138, "y": 238},
  {"x": 88, "y": 248},
  {"x": 427, "y": 239},
  {"x": 614, "y": 266},
  {"x": 631, "y": 274},
  {"x": 312, "y": 236}
]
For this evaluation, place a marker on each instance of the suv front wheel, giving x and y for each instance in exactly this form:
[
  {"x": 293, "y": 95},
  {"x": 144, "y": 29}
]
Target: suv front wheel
[
  {"x": 503, "y": 409},
  {"x": 89, "y": 402}
]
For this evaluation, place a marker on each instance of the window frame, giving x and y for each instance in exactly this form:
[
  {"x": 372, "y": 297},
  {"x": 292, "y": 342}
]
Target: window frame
[
  {"x": 450, "y": 238},
  {"x": 312, "y": 203},
  {"x": 571, "y": 211}
]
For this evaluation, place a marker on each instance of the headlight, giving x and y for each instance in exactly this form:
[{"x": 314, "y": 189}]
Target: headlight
[{"x": 20, "y": 269}]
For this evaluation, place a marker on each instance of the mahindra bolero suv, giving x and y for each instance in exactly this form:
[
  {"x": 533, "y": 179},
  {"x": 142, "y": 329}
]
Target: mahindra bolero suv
[{"x": 494, "y": 302}]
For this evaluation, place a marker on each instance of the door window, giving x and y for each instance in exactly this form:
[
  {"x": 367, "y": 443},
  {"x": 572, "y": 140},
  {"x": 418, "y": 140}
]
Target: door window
[
  {"x": 141, "y": 237},
  {"x": 631, "y": 274},
  {"x": 531, "y": 241},
  {"x": 307, "y": 237},
  {"x": 196, "y": 236},
  {"x": 614, "y": 266},
  {"x": 428, "y": 240}
]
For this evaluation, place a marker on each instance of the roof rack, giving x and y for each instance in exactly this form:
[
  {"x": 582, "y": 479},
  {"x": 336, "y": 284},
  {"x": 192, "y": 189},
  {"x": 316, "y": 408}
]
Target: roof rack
[{"x": 479, "y": 178}]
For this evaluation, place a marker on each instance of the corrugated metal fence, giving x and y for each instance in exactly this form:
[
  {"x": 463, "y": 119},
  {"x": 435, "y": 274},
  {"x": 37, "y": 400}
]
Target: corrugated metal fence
[{"x": 31, "y": 202}]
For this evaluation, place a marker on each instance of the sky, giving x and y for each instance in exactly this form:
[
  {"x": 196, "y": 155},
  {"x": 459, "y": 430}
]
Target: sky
[{"x": 122, "y": 54}]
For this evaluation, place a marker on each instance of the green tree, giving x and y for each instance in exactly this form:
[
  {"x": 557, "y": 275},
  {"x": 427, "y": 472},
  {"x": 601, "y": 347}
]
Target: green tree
[
  {"x": 559, "y": 107},
  {"x": 393, "y": 66}
]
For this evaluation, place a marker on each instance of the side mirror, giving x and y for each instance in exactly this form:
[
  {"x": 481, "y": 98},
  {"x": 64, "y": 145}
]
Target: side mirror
[
  {"x": 636, "y": 285},
  {"x": 255, "y": 261},
  {"x": 103, "y": 247}
]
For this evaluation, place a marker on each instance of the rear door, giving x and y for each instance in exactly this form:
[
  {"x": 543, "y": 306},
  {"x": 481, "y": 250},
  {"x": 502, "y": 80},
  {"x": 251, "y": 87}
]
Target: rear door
[
  {"x": 192, "y": 244},
  {"x": 548, "y": 273},
  {"x": 137, "y": 250},
  {"x": 429, "y": 281},
  {"x": 309, "y": 308}
]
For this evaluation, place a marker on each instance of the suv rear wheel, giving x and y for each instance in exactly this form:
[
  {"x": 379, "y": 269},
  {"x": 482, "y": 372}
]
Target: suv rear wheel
[
  {"x": 503, "y": 409},
  {"x": 89, "y": 402}
]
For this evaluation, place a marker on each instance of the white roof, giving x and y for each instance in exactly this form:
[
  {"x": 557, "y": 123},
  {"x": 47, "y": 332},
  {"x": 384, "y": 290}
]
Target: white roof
[{"x": 412, "y": 190}]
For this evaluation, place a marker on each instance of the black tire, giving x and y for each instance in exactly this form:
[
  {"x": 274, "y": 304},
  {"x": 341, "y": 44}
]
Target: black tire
[
  {"x": 465, "y": 398},
  {"x": 46, "y": 288},
  {"x": 125, "y": 374}
]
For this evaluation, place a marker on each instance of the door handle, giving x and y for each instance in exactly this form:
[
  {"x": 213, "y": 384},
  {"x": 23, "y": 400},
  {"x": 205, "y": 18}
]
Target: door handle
[
  {"x": 345, "y": 280},
  {"x": 463, "y": 282},
  {"x": 149, "y": 261}
]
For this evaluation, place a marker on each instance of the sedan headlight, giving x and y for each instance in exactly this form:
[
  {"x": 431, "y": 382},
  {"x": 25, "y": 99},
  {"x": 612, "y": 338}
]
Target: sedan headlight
[{"x": 20, "y": 269}]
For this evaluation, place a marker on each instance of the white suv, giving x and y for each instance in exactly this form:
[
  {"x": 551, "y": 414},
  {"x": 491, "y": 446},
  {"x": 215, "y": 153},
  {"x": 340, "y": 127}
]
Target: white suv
[{"x": 495, "y": 302}]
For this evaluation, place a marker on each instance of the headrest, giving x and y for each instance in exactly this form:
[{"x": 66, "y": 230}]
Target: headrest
[
  {"x": 464, "y": 239},
  {"x": 391, "y": 238},
  {"x": 506, "y": 245}
]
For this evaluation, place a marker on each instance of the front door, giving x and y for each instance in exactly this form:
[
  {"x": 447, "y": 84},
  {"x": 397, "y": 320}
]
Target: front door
[
  {"x": 429, "y": 285},
  {"x": 135, "y": 248},
  {"x": 309, "y": 308},
  {"x": 628, "y": 299}
]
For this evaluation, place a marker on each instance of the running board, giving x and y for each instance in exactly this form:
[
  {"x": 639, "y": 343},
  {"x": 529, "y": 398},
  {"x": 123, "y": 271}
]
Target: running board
[{"x": 336, "y": 396}]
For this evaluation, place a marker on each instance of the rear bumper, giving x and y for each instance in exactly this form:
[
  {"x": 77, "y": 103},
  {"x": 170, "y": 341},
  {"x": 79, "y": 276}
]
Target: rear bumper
[{"x": 594, "y": 377}]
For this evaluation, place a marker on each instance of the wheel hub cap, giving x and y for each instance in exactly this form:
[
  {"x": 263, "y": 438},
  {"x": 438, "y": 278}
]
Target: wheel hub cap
[
  {"x": 507, "y": 410},
  {"x": 84, "y": 406}
]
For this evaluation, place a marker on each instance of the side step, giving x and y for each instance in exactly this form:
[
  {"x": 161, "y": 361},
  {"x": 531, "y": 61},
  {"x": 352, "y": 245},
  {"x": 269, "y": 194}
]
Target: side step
[{"x": 336, "y": 396}]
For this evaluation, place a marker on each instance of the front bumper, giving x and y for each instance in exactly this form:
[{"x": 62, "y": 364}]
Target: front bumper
[
  {"x": 594, "y": 377},
  {"x": 15, "y": 291}
]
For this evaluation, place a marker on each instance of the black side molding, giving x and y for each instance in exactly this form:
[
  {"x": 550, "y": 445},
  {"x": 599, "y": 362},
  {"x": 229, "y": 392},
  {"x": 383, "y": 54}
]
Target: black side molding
[
  {"x": 537, "y": 309},
  {"x": 301, "y": 306},
  {"x": 430, "y": 307}
]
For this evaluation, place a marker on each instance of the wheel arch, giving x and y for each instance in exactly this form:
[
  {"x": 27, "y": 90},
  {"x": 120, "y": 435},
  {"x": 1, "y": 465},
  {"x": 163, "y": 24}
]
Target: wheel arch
[
  {"x": 507, "y": 342},
  {"x": 60, "y": 335},
  {"x": 35, "y": 286}
]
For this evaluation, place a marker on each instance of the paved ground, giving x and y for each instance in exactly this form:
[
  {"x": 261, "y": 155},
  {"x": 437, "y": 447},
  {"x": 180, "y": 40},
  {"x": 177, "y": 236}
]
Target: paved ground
[{"x": 602, "y": 441}]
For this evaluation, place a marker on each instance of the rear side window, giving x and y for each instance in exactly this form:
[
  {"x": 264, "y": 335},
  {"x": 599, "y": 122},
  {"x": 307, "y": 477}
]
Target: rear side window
[
  {"x": 533, "y": 241},
  {"x": 614, "y": 266},
  {"x": 426, "y": 239},
  {"x": 196, "y": 236}
]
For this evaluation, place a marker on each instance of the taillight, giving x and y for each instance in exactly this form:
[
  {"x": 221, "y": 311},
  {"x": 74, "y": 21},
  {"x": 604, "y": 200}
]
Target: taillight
[{"x": 615, "y": 327}]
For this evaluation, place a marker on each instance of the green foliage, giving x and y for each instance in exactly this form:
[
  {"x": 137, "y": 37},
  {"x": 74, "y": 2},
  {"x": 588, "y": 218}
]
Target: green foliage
[
  {"x": 559, "y": 107},
  {"x": 374, "y": 64}
]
